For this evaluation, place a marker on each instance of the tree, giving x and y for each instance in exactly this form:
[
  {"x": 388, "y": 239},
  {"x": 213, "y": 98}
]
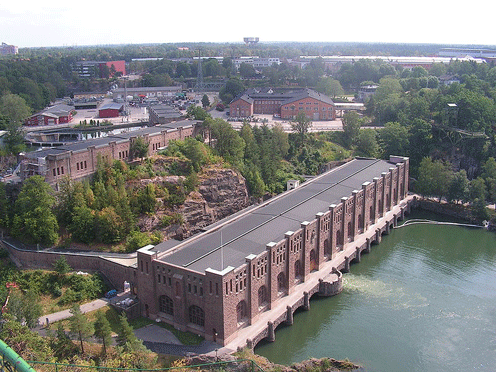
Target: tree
[
  {"x": 82, "y": 226},
  {"x": 125, "y": 334},
  {"x": 205, "y": 101},
  {"x": 366, "y": 143},
  {"x": 102, "y": 330},
  {"x": 228, "y": 142},
  {"x": 62, "y": 345},
  {"x": 14, "y": 110},
  {"x": 458, "y": 189},
  {"x": 34, "y": 219},
  {"x": 28, "y": 344},
  {"x": 79, "y": 325},
  {"x": 394, "y": 139},
  {"x": 351, "y": 127},
  {"x": 477, "y": 190},
  {"x": 25, "y": 307},
  {"x": 139, "y": 148},
  {"x": 434, "y": 178},
  {"x": 247, "y": 70},
  {"x": 61, "y": 266},
  {"x": 232, "y": 88},
  {"x": 301, "y": 124},
  {"x": 330, "y": 87}
]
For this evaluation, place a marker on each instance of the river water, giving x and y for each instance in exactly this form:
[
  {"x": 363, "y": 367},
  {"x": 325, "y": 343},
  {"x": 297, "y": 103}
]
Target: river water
[{"x": 423, "y": 300}]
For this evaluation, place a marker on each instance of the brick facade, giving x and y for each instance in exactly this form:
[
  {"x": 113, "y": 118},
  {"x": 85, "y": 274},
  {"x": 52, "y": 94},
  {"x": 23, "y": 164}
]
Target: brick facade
[
  {"x": 79, "y": 161},
  {"x": 316, "y": 106},
  {"x": 231, "y": 299}
]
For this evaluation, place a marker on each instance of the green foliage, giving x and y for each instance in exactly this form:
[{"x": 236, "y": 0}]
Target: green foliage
[
  {"x": 434, "y": 178},
  {"x": 62, "y": 345},
  {"x": 394, "y": 139},
  {"x": 351, "y": 128},
  {"x": 103, "y": 332},
  {"x": 301, "y": 125},
  {"x": 28, "y": 344},
  {"x": 25, "y": 308},
  {"x": 34, "y": 220},
  {"x": 61, "y": 266},
  {"x": 110, "y": 227},
  {"x": 136, "y": 240},
  {"x": 228, "y": 143},
  {"x": 138, "y": 148},
  {"x": 232, "y": 88},
  {"x": 79, "y": 325},
  {"x": 205, "y": 101}
]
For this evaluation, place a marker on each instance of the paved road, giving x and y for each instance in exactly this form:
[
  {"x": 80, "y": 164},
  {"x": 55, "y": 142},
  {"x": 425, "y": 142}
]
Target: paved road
[{"x": 64, "y": 314}]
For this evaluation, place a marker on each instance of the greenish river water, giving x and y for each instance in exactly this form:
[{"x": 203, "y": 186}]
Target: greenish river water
[{"x": 423, "y": 300}]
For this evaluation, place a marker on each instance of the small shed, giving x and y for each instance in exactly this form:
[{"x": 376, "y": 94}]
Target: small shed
[{"x": 110, "y": 110}]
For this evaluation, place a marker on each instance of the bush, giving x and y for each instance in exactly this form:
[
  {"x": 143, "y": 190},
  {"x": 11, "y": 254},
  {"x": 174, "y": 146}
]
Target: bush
[{"x": 136, "y": 240}]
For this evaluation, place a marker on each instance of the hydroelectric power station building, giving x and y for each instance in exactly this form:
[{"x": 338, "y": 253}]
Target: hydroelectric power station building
[{"x": 242, "y": 276}]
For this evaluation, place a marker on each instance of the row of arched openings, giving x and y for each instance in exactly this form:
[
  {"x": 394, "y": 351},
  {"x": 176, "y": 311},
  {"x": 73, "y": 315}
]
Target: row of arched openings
[{"x": 196, "y": 315}]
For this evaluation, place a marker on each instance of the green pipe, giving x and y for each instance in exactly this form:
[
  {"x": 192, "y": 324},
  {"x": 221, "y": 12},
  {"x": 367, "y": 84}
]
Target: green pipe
[{"x": 14, "y": 359}]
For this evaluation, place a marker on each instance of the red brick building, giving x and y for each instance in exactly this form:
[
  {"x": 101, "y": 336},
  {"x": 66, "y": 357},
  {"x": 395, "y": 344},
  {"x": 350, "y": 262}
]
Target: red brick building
[
  {"x": 110, "y": 110},
  {"x": 79, "y": 160},
  {"x": 226, "y": 279},
  {"x": 315, "y": 105},
  {"x": 59, "y": 114}
]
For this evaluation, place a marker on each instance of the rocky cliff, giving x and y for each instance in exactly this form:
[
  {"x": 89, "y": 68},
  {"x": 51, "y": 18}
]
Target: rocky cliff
[{"x": 220, "y": 193}]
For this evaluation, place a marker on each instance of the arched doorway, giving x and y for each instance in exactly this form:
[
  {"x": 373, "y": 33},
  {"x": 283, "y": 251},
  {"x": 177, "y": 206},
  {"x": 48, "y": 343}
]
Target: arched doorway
[
  {"x": 281, "y": 283},
  {"x": 313, "y": 260},
  {"x": 298, "y": 271},
  {"x": 263, "y": 298}
]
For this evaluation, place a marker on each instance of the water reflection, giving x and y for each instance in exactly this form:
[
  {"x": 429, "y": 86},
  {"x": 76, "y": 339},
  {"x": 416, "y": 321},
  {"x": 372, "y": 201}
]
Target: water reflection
[{"x": 422, "y": 300}]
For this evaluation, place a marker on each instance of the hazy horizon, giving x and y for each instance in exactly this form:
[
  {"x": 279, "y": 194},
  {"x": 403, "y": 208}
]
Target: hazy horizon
[{"x": 57, "y": 23}]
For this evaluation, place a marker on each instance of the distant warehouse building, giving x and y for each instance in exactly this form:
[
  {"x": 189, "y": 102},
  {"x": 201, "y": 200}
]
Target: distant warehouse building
[
  {"x": 163, "y": 114},
  {"x": 287, "y": 105},
  {"x": 110, "y": 110}
]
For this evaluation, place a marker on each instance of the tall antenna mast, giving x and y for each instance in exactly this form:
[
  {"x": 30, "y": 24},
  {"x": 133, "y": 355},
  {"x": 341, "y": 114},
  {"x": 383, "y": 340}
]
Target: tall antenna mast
[{"x": 200, "y": 85}]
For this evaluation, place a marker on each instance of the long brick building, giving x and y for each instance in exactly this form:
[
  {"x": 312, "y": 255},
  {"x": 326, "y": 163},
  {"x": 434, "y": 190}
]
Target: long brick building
[
  {"x": 287, "y": 105},
  {"x": 79, "y": 160},
  {"x": 231, "y": 276}
]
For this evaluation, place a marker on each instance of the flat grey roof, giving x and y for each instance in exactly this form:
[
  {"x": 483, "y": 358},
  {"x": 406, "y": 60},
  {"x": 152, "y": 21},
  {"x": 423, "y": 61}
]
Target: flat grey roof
[{"x": 231, "y": 243}]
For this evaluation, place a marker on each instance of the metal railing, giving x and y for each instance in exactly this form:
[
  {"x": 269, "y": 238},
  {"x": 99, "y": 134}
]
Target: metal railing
[
  {"x": 241, "y": 365},
  {"x": 10, "y": 361}
]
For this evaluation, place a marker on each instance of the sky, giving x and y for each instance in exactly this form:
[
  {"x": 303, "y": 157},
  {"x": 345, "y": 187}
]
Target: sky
[{"x": 46, "y": 23}]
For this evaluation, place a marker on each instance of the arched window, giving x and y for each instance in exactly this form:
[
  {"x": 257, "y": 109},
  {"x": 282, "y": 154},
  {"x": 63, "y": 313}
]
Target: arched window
[
  {"x": 339, "y": 238},
  {"x": 241, "y": 311},
  {"x": 166, "y": 305},
  {"x": 327, "y": 248},
  {"x": 371, "y": 213},
  {"x": 196, "y": 315},
  {"x": 298, "y": 270},
  {"x": 351, "y": 233},
  {"x": 281, "y": 282},
  {"x": 262, "y": 296},
  {"x": 360, "y": 223},
  {"x": 313, "y": 260}
]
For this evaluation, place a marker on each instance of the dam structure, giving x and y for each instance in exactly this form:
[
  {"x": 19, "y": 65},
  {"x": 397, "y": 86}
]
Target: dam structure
[
  {"x": 240, "y": 278},
  {"x": 235, "y": 282}
]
